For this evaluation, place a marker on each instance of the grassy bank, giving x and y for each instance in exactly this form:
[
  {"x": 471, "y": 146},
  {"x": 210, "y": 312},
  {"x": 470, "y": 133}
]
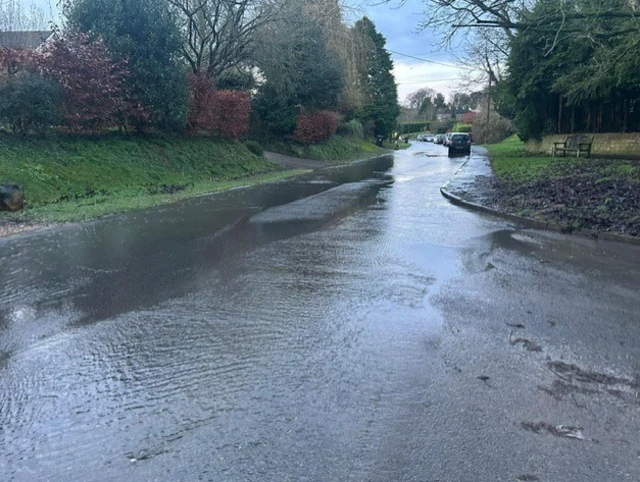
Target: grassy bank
[
  {"x": 337, "y": 149},
  {"x": 78, "y": 178},
  {"x": 591, "y": 193},
  {"x": 511, "y": 161}
]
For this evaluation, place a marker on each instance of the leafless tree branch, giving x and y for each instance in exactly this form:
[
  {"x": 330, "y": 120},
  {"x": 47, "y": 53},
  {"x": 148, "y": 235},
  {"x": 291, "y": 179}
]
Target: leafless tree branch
[{"x": 220, "y": 34}]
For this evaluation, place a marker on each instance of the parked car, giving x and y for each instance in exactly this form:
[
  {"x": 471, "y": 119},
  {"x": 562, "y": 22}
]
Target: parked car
[
  {"x": 459, "y": 142},
  {"x": 428, "y": 138},
  {"x": 439, "y": 138},
  {"x": 446, "y": 139}
]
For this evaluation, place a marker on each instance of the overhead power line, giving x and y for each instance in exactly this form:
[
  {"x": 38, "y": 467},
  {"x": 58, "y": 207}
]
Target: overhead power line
[
  {"x": 430, "y": 61},
  {"x": 426, "y": 81}
]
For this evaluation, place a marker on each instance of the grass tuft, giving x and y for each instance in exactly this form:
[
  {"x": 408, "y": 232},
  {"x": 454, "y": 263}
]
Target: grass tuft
[
  {"x": 336, "y": 149},
  {"x": 71, "y": 178}
]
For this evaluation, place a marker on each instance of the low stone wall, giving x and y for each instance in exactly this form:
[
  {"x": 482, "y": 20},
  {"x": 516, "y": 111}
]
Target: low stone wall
[{"x": 604, "y": 145}]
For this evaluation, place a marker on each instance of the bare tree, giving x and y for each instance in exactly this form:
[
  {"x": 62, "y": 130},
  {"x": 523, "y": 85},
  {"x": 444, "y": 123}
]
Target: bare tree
[
  {"x": 415, "y": 99},
  {"x": 278, "y": 38},
  {"x": 13, "y": 17},
  {"x": 510, "y": 16},
  {"x": 37, "y": 19},
  {"x": 485, "y": 55},
  {"x": 220, "y": 34},
  {"x": 349, "y": 47}
]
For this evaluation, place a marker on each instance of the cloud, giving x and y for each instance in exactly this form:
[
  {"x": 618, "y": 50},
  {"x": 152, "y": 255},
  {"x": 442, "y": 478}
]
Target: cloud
[
  {"x": 400, "y": 26},
  {"x": 411, "y": 76}
]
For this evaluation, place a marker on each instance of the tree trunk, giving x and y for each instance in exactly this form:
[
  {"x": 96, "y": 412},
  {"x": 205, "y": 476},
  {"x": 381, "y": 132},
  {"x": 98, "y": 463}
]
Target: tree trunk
[
  {"x": 600, "y": 116},
  {"x": 560, "y": 114},
  {"x": 489, "y": 101},
  {"x": 572, "y": 126}
]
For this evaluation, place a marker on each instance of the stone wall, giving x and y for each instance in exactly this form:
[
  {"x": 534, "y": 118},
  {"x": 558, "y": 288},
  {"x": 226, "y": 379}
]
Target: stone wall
[{"x": 604, "y": 145}]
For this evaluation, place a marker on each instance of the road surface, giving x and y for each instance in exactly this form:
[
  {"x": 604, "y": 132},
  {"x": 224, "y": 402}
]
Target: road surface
[{"x": 349, "y": 326}]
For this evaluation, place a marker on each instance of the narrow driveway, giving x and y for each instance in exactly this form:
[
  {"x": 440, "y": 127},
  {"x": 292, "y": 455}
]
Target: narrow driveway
[{"x": 349, "y": 326}]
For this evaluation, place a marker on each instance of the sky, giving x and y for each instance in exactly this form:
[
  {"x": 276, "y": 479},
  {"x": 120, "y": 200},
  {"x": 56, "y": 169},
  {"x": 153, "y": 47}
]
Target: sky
[{"x": 413, "y": 51}]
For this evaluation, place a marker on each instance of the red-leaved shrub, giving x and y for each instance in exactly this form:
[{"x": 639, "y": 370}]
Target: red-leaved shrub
[
  {"x": 202, "y": 89},
  {"x": 13, "y": 61},
  {"x": 224, "y": 112},
  {"x": 94, "y": 85},
  {"x": 232, "y": 113},
  {"x": 315, "y": 126}
]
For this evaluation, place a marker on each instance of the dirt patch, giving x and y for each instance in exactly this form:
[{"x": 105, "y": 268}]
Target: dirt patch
[
  {"x": 527, "y": 344},
  {"x": 9, "y": 227},
  {"x": 527, "y": 478},
  {"x": 571, "y": 373},
  {"x": 592, "y": 194},
  {"x": 567, "y": 431},
  {"x": 168, "y": 188},
  {"x": 560, "y": 389},
  {"x": 88, "y": 194},
  {"x": 573, "y": 381},
  {"x": 519, "y": 326}
]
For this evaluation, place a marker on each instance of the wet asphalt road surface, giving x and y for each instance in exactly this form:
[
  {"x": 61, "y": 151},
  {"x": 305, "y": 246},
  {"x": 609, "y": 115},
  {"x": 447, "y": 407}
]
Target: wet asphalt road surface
[{"x": 349, "y": 326}]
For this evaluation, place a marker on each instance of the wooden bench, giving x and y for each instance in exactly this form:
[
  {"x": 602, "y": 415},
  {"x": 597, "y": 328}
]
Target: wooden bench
[{"x": 575, "y": 143}]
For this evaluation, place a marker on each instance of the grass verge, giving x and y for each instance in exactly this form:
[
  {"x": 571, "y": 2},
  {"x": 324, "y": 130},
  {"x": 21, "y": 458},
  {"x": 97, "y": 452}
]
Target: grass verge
[
  {"x": 511, "y": 161},
  {"x": 337, "y": 149},
  {"x": 79, "y": 178},
  {"x": 100, "y": 205},
  {"x": 598, "y": 194}
]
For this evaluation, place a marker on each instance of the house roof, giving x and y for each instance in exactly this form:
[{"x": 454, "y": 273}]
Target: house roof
[{"x": 25, "y": 40}]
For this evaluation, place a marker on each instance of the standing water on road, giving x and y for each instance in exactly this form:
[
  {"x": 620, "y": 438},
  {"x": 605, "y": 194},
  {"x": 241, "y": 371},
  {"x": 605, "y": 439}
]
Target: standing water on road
[{"x": 351, "y": 325}]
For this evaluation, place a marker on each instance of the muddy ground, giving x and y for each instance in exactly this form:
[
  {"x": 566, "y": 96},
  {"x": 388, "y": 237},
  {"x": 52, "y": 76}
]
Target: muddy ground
[
  {"x": 9, "y": 226},
  {"x": 589, "y": 195}
]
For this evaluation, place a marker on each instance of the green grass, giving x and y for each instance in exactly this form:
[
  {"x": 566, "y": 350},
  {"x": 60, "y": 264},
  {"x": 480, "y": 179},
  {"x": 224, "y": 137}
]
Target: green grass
[
  {"x": 70, "y": 178},
  {"x": 510, "y": 146},
  {"x": 337, "y": 149},
  {"x": 134, "y": 199},
  {"x": 511, "y": 160}
]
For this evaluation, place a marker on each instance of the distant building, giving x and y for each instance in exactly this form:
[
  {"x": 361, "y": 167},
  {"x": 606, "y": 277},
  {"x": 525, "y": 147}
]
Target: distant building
[
  {"x": 468, "y": 117},
  {"x": 25, "y": 40}
]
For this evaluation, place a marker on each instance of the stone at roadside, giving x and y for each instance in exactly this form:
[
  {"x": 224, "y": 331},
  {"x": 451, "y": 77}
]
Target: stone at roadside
[{"x": 11, "y": 198}]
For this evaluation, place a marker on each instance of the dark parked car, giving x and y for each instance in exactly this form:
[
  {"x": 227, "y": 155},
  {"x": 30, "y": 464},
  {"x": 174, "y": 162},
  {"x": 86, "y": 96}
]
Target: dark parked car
[{"x": 459, "y": 143}]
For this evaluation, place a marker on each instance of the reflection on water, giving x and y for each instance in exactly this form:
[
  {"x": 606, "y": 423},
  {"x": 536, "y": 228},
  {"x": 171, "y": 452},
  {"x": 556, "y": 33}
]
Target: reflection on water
[
  {"x": 259, "y": 334},
  {"x": 138, "y": 259},
  {"x": 201, "y": 301}
]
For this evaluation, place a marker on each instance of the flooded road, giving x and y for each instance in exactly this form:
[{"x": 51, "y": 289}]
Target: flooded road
[{"x": 348, "y": 326}]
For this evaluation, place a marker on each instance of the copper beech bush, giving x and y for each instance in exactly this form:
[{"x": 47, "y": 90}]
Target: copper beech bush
[
  {"x": 14, "y": 61},
  {"x": 94, "y": 97},
  {"x": 224, "y": 112},
  {"x": 315, "y": 126}
]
